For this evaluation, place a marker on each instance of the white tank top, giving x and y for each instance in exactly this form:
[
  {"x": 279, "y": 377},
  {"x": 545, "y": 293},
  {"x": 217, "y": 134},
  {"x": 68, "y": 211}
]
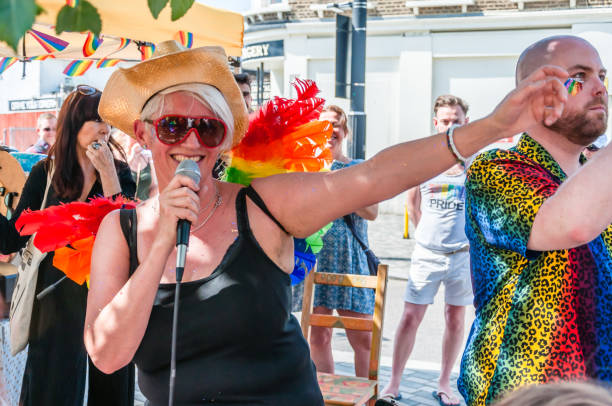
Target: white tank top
[{"x": 442, "y": 224}]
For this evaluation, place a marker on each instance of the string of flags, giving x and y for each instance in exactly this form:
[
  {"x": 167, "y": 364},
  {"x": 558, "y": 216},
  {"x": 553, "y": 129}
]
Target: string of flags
[
  {"x": 78, "y": 68},
  {"x": 92, "y": 42},
  {"x": 6, "y": 63},
  {"x": 185, "y": 38},
  {"x": 51, "y": 45}
]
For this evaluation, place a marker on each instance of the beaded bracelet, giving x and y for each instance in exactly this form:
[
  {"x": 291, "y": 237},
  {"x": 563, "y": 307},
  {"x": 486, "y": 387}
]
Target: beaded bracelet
[{"x": 450, "y": 143}]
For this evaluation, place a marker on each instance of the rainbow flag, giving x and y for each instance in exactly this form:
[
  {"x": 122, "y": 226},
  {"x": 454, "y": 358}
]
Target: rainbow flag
[
  {"x": 6, "y": 63},
  {"x": 72, "y": 3},
  {"x": 40, "y": 57},
  {"x": 107, "y": 63},
  {"x": 146, "y": 51},
  {"x": 92, "y": 42},
  {"x": 77, "y": 68},
  {"x": 124, "y": 43},
  {"x": 185, "y": 38},
  {"x": 48, "y": 42}
]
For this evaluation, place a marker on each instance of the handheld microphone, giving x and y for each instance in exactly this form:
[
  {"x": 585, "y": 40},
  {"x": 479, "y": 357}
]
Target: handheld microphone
[{"x": 190, "y": 169}]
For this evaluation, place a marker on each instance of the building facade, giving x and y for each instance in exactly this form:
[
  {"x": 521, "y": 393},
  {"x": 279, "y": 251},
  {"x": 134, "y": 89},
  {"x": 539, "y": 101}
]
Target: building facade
[{"x": 416, "y": 50}]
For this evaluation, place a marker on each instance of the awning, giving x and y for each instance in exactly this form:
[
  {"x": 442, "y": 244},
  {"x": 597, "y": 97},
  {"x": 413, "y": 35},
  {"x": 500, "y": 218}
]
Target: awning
[{"x": 126, "y": 19}]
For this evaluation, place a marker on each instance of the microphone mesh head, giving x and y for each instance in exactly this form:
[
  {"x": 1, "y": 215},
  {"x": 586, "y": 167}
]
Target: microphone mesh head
[{"x": 189, "y": 168}]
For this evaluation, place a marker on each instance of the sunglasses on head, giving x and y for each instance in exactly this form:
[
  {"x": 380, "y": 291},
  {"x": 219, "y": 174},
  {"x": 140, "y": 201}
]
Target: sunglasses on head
[
  {"x": 173, "y": 129},
  {"x": 87, "y": 90}
]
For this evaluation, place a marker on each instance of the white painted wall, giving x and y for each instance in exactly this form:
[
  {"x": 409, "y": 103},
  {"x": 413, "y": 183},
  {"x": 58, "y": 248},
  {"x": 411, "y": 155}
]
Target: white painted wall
[{"x": 14, "y": 87}]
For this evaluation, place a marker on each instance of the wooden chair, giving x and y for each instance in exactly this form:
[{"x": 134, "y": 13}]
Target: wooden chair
[{"x": 340, "y": 389}]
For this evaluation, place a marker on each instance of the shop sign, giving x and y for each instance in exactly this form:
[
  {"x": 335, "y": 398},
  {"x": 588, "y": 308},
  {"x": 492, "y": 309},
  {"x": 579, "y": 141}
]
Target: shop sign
[
  {"x": 51, "y": 103},
  {"x": 263, "y": 50}
]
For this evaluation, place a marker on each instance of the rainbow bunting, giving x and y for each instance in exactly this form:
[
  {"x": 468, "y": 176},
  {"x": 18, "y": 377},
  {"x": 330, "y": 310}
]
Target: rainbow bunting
[
  {"x": 91, "y": 44},
  {"x": 146, "y": 51},
  {"x": 77, "y": 68},
  {"x": 107, "y": 63},
  {"x": 49, "y": 42},
  {"x": 185, "y": 38},
  {"x": 573, "y": 86},
  {"x": 72, "y": 3},
  {"x": 124, "y": 43},
  {"x": 6, "y": 63},
  {"x": 40, "y": 57}
]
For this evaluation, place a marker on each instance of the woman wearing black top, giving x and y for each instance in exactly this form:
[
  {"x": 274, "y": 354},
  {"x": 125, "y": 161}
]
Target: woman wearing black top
[
  {"x": 83, "y": 167},
  {"x": 237, "y": 341}
]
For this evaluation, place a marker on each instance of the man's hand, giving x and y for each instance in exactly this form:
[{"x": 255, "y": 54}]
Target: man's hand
[{"x": 539, "y": 99}]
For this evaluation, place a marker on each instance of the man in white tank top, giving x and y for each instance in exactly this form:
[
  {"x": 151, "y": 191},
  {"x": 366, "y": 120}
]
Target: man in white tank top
[{"x": 441, "y": 254}]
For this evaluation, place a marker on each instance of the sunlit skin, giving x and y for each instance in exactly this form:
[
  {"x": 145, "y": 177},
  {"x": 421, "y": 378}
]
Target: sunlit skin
[
  {"x": 47, "y": 136},
  {"x": 119, "y": 304},
  {"x": 581, "y": 61},
  {"x": 98, "y": 160},
  {"x": 196, "y": 197},
  {"x": 445, "y": 117}
]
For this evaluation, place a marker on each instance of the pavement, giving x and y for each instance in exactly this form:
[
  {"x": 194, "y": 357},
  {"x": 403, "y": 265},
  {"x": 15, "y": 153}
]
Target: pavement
[{"x": 420, "y": 376}]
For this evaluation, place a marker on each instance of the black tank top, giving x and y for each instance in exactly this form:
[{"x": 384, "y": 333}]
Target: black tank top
[{"x": 237, "y": 340}]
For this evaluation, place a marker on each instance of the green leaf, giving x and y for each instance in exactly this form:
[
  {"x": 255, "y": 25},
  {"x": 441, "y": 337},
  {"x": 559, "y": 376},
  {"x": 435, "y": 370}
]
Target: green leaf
[
  {"x": 16, "y": 17},
  {"x": 40, "y": 10},
  {"x": 179, "y": 8},
  {"x": 83, "y": 17},
  {"x": 156, "y": 6}
]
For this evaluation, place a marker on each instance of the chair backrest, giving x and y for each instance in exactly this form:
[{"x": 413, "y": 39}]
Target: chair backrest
[{"x": 375, "y": 325}]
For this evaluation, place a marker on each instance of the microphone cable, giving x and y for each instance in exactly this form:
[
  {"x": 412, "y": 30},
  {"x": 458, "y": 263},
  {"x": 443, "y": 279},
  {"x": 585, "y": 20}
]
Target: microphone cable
[{"x": 190, "y": 169}]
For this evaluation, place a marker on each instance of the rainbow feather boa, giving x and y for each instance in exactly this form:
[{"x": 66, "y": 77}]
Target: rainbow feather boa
[{"x": 283, "y": 136}]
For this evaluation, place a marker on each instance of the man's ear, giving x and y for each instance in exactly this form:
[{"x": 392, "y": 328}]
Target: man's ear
[{"x": 435, "y": 122}]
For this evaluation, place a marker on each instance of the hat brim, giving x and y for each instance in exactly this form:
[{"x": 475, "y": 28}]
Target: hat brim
[{"x": 128, "y": 89}]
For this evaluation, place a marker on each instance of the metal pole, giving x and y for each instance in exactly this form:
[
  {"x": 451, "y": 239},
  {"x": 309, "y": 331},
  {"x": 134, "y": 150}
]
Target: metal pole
[
  {"x": 358, "y": 60},
  {"x": 257, "y": 80},
  {"x": 261, "y": 85},
  {"x": 343, "y": 29}
]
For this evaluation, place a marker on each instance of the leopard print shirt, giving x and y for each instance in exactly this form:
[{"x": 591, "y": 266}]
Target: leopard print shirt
[{"x": 540, "y": 316}]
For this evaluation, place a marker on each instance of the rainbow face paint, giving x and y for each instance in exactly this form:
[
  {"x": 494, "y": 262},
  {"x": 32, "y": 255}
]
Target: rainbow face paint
[{"x": 573, "y": 86}]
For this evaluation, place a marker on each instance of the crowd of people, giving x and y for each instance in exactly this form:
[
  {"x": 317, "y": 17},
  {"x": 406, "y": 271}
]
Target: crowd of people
[{"x": 522, "y": 234}]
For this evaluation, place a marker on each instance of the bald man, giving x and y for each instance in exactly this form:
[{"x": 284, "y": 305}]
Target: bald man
[{"x": 538, "y": 222}]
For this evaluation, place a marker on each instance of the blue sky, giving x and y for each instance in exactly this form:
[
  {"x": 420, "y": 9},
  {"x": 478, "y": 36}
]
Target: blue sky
[{"x": 233, "y": 5}]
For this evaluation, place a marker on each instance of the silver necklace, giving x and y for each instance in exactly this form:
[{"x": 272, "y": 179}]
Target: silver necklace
[{"x": 218, "y": 200}]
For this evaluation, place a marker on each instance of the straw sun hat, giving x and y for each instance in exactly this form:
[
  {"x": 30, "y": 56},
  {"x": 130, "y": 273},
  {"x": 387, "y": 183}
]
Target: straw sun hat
[{"x": 128, "y": 90}]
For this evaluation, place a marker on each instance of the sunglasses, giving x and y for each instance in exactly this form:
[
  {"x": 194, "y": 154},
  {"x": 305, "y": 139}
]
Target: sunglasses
[
  {"x": 173, "y": 129},
  {"x": 87, "y": 90}
]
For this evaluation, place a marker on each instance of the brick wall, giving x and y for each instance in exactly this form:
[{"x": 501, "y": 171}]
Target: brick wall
[{"x": 301, "y": 8}]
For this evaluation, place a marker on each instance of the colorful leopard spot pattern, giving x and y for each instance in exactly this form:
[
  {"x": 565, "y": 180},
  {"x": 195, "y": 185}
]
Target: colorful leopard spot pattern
[{"x": 540, "y": 316}]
